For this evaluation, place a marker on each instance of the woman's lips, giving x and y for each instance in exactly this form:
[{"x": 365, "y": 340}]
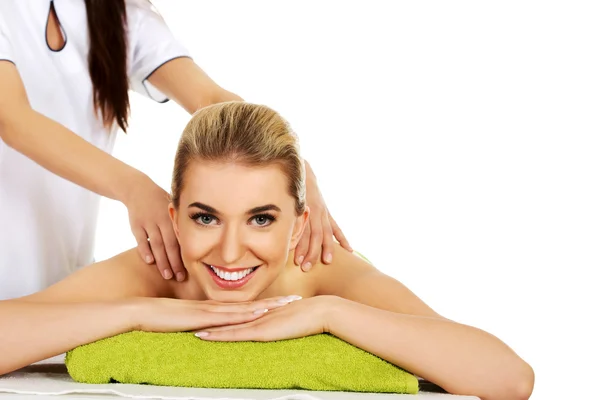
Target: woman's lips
[{"x": 225, "y": 284}]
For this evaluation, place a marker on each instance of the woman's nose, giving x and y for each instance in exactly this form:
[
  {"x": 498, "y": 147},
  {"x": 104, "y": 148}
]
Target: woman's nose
[{"x": 232, "y": 246}]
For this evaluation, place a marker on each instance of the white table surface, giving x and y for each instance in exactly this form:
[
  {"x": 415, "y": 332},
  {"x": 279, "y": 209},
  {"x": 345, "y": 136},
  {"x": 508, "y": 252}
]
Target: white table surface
[{"x": 219, "y": 393}]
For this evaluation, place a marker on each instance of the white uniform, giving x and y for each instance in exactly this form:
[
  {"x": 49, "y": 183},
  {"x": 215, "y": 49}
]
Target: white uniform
[{"x": 47, "y": 224}]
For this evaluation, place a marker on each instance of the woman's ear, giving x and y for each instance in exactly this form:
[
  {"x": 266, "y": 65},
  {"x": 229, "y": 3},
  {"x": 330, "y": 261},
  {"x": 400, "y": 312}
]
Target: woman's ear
[
  {"x": 173, "y": 215},
  {"x": 299, "y": 227}
]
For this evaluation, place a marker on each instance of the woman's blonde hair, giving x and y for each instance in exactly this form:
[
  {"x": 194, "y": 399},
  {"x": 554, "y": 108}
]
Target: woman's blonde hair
[{"x": 240, "y": 132}]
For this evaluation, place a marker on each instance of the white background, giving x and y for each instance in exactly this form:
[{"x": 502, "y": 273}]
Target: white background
[{"x": 456, "y": 143}]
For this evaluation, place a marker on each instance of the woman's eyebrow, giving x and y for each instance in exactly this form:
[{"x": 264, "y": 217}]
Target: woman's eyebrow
[
  {"x": 204, "y": 207},
  {"x": 268, "y": 207},
  {"x": 255, "y": 210}
]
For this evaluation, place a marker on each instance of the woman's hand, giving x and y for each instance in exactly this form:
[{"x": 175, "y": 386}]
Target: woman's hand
[
  {"x": 147, "y": 204},
  {"x": 173, "y": 315},
  {"x": 298, "y": 319},
  {"x": 317, "y": 238}
]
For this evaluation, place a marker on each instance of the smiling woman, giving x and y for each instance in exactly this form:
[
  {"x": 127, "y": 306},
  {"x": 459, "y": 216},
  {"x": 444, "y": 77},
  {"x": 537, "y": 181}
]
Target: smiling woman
[
  {"x": 238, "y": 211},
  {"x": 238, "y": 199}
]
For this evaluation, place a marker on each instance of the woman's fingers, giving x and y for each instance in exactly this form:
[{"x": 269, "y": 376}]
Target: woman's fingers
[
  {"x": 216, "y": 319},
  {"x": 174, "y": 315},
  {"x": 266, "y": 304},
  {"x": 231, "y": 333}
]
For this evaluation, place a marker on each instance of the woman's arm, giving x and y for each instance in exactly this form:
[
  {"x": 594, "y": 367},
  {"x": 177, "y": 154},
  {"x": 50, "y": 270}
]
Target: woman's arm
[
  {"x": 34, "y": 331},
  {"x": 459, "y": 358},
  {"x": 380, "y": 315},
  {"x": 86, "y": 306},
  {"x": 372, "y": 311},
  {"x": 115, "y": 296}
]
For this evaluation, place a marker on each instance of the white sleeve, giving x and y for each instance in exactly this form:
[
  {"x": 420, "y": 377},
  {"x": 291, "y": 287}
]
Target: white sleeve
[
  {"x": 151, "y": 44},
  {"x": 5, "y": 46}
]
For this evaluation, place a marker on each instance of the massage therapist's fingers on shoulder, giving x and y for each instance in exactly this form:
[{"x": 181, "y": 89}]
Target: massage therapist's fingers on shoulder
[
  {"x": 302, "y": 246},
  {"x": 171, "y": 246},
  {"x": 327, "y": 253},
  {"x": 147, "y": 205},
  {"x": 143, "y": 246},
  {"x": 309, "y": 246},
  {"x": 159, "y": 252},
  {"x": 315, "y": 243},
  {"x": 339, "y": 235}
]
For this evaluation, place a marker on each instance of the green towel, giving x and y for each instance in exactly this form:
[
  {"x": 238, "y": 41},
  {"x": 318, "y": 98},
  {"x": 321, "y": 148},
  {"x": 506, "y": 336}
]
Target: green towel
[{"x": 319, "y": 362}]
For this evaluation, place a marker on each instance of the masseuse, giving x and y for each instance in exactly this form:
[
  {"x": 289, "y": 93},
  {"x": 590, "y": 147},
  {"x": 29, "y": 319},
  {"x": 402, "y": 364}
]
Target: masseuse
[{"x": 65, "y": 71}]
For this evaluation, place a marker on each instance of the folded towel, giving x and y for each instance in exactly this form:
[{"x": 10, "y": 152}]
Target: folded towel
[{"x": 319, "y": 362}]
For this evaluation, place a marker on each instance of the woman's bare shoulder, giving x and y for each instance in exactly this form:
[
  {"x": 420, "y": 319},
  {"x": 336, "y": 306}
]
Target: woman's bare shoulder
[
  {"x": 122, "y": 276},
  {"x": 354, "y": 278}
]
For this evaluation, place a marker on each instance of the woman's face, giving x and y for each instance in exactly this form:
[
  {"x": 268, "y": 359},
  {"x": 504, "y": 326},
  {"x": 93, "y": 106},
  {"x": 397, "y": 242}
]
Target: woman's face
[{"x": 236, "y": 226}]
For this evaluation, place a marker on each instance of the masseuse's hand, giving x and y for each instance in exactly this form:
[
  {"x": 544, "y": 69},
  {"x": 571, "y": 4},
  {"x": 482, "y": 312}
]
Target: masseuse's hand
[
  {"x": 147, "y": 204},
  {"x": 298, "y": 319},
  {"x": 317, "y": 238},
  {"x": 173, "y": 315}
]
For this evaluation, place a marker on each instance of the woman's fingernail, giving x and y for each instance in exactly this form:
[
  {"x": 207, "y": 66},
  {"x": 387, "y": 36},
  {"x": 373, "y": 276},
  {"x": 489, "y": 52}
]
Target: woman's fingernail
[
  {"x": 307, "y": 266},
  {"x": 167, "y": 274},
  {"x": 300, "y": 259},
  {"x": 289, "y": 299},
  {"x": 261, "y": 311},
  {"x": 148, "y": 260},
  {"x": 328, "y": 258},
  {"x": 180, "y": 276},
  {"x": 201, "y": 334}
]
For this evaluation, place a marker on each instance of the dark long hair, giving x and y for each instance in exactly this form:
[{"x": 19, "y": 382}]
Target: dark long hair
[{"x": 107, "y": 59}]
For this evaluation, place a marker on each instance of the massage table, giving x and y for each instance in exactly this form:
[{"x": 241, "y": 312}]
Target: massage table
[{"x": 47, "y": 379}]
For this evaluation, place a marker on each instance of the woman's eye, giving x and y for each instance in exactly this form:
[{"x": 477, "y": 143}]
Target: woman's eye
[
  {"x": 205, "y": 219},
  {"x": 263, "y": 220}
]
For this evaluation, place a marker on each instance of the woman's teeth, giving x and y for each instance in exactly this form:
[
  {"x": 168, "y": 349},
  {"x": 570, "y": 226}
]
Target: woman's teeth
[{"x": 231, "y": 276}]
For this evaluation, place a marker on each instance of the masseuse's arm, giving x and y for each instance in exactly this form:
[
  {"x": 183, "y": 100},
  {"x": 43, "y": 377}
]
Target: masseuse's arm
[
  {"x": 115, "y": 296},
  {"x": 55, "y": 147},
  {"x": 382, "y": 316},
  {"x": 188, "y": 85},
  {"x": 64, "y": 153}
]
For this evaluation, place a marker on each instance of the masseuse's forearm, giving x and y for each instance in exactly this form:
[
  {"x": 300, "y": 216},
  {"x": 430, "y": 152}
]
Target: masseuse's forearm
[
  {"x": 459, "y": 358},
  {"x": 35, "y": 331},
  {"x": 62, "y": 152},
  {"x": 189, "y": 86}
]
